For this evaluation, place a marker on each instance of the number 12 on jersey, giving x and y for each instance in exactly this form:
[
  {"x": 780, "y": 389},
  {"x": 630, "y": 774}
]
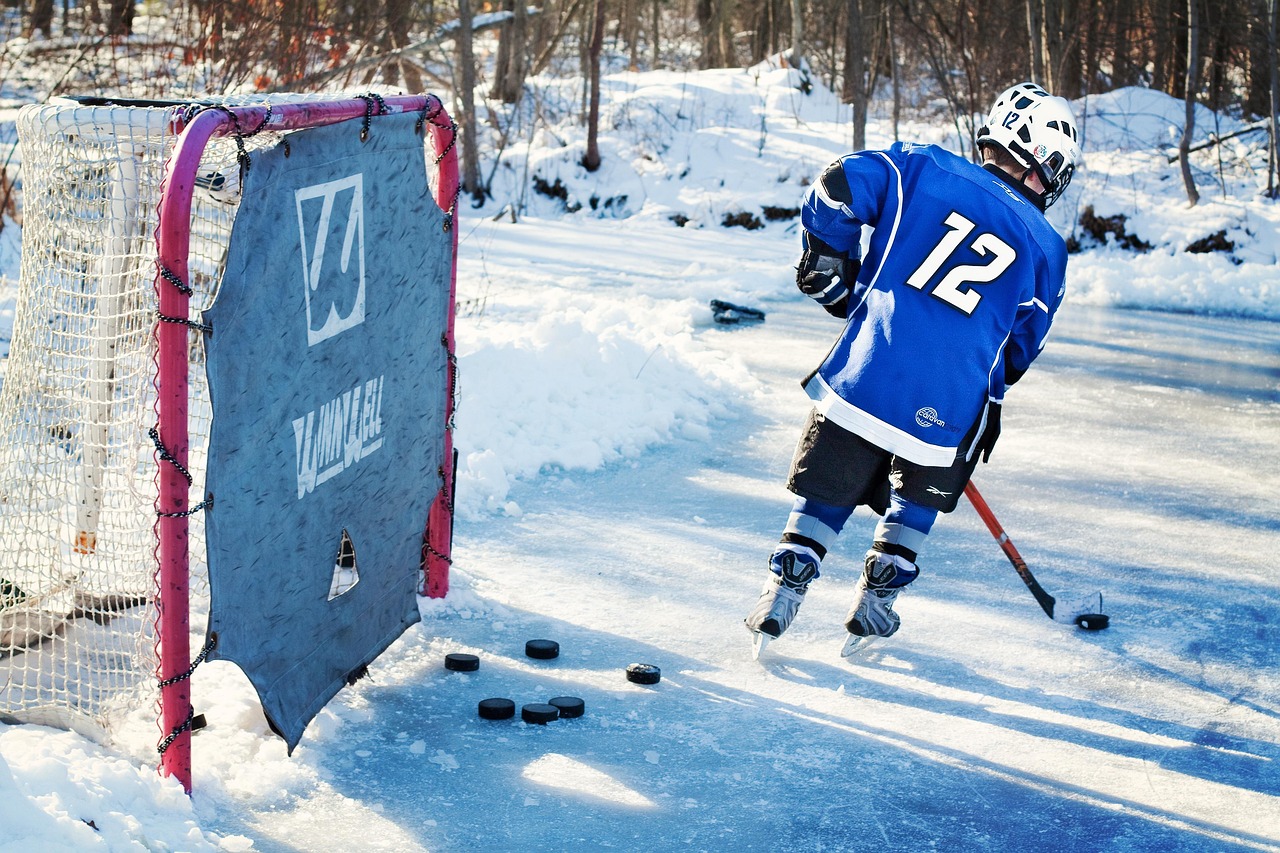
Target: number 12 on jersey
[{"x": 951, "y": 289}]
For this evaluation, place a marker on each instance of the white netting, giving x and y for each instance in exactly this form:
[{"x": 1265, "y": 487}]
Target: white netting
[{"x": 77, "y": 467}]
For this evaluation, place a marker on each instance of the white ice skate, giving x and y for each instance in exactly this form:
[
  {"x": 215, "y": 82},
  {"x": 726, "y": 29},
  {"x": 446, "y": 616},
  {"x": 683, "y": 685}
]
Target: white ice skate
[{"x": 871, "y": 615}]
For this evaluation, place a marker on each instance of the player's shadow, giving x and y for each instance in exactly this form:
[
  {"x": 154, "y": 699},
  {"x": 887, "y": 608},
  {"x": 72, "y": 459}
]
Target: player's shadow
[{"x": 1202, "y": 752}]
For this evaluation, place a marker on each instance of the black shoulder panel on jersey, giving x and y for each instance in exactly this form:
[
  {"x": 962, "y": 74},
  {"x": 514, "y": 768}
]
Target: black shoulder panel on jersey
[{"x": 836, "y": 184}]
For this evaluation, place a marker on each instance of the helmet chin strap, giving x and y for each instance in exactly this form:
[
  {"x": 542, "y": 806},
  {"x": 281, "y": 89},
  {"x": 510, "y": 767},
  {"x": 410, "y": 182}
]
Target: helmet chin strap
[
  {"x": 1036, "y": 173},
  {"x": 1033, "y": 169}
]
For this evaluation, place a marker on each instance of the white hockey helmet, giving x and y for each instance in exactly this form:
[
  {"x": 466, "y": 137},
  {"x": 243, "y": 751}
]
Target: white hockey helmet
[{"x": 1039, "y": 130}]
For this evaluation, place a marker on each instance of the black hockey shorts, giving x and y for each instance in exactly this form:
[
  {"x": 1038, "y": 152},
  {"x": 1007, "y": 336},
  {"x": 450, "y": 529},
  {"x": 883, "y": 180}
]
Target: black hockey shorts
[{"x": 837, "y": 467}]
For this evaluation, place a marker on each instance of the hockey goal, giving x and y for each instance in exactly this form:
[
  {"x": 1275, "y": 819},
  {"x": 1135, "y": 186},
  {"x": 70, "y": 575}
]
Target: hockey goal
[{"x": 105, "y": 414}]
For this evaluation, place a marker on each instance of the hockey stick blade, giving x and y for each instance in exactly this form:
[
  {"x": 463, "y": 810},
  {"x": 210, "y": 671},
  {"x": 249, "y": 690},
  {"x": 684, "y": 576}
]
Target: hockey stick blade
[{"x": 1085, "y": 613}]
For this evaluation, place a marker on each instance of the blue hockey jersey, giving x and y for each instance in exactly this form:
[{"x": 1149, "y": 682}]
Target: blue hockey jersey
[{"x": 961, "y": 273}]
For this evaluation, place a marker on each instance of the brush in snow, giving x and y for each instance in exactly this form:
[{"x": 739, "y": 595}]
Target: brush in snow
[
  {"x": 497, "y": 708},
  {"x": 643, "y": 673},
  {"x": 539, "y": 712},
  {"x": 458, "y": 662},
  {"x": 568, "y": 706},
  {"x": 542, "y": 649}
]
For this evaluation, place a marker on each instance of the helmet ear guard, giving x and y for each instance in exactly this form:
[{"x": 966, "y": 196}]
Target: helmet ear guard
[{"x": 1039, "y": 131}]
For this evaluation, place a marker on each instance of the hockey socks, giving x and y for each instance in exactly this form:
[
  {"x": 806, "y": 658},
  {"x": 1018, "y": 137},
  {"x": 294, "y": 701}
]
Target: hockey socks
[
  {"x": 901, "y": 535},
  {"x": 812, "y": 528}
]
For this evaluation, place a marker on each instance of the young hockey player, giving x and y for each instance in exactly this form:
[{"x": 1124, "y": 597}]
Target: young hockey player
[{"x": 949, "y": 306}]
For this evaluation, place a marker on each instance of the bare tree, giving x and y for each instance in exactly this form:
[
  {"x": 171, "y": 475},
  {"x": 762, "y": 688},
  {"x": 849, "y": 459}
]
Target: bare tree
[
  {"x": 1035, "y": 29},
  {"x": 895, "y": 66},
  {"x": 855, "y": 89},
  {"x": 797, "y": 34},
  {"x": 1192, "y": 84},
  {"x": 465, "y": 86},
  {"x": 119, "y": 17},
  {"x": 1260, "y": 57},
  {"x": 513, "y": 53},
  {"x": 654, "y": 42},
  {"x": 1273, "y": 150},
  {"x": 38, "y": 18},
  {"x": 591, "y": 160},
  {"x": 714, "y": 19},
  {"x": 397, "y": 15},
  {"x": 566, "y": 15}
]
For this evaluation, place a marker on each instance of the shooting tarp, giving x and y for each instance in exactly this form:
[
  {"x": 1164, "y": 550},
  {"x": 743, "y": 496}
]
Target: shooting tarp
[{"x": 328, "y": 378}]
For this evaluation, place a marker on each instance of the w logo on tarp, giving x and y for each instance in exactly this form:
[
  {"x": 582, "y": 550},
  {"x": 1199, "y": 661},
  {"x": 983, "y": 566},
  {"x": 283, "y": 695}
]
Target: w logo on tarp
[{"x": 331, "y": 228}]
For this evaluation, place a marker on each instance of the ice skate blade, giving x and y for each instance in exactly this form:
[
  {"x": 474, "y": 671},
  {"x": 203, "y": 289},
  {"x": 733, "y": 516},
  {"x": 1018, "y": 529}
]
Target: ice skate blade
[
  {"x": 758, "y": 643},
  {"x": 855, "y": 645}
]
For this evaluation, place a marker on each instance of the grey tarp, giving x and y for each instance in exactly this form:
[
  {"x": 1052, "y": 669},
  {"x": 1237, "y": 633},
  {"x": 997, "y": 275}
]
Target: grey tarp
[{"x": 328, "y": 378}]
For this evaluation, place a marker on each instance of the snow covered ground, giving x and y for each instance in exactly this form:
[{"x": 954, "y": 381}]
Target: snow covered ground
[{"x": 620, "y": 489}]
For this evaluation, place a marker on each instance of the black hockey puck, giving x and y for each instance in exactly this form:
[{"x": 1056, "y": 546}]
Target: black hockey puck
[
  {"x": 1093, "y": 621},
  {"x": 569, "y": 706},
  {"x": 542, "y": 649},
  {"x": 497, "y": 709},
  {"x": 643, "y": 673},
  {"x": 539, "y": 713},
  {"x": 458, "y": 662}
]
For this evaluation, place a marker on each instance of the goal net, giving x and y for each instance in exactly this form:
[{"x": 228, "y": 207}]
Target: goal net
[{"x": 81, "y": 459}]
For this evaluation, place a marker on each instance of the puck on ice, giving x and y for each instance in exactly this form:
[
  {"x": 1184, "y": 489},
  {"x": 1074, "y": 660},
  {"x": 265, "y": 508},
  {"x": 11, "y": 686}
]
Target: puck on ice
[
  {"x": 497, "y": 709},
  {"x": 1093, "y": 621},
  {"x": 538, "y": 712},
  {"x": 459, "y": 662},
  {"x": 643, "y": 673},
  {"x": 569, "y": 706},
  {"x": 542, "y": 649}
]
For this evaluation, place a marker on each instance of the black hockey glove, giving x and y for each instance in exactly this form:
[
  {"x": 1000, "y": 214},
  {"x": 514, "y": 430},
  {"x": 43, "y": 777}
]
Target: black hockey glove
[
  {"x": 827, "y": 279},
  {"x": 990, "y": 433}
]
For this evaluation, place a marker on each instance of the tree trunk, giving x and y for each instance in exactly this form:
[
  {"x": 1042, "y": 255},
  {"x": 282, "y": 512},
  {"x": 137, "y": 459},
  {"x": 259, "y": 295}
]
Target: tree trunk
[
  {"x": 120, "y": 17},
  {"x": 1068, "y": 67},
  {"x": 631, "y": 32},
  {"x": 706, "y": 11},
  {"x": 1035, "y": 29},
  {"x": 398, "y": 19},
  {"x": 724, "y": 32},
  {"x": 39, "y": 18},
  {"x": 1051, "y": 43},
  {"x": 855, "y": 74},
  {"x": 1124, "y": 71},
  {"x": 797, "y": 35},
  {"x": 895, "y": 68},
  {"x": 653, "y": 37},
  {"x": 1273, "y": 156},
  {"x": 1261, "y": 59},
  {"x": 466, "y": 87},
  {"x": 513, "y": 53},
  {"x": 591, "y": 162},
  {"x": 1192, "y": 84}
]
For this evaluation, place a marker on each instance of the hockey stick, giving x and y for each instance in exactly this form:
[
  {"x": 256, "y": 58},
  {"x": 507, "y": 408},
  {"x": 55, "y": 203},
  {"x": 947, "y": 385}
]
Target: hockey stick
[{"x": 1085, "y": 613}]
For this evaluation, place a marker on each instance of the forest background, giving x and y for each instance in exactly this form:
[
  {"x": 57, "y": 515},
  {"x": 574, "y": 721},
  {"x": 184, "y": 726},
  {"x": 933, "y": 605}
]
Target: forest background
[{"x": 924, "y": 55}]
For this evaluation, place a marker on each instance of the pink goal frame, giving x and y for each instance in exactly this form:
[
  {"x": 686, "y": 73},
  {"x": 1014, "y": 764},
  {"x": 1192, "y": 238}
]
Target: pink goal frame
[{"x": 173, "y": 240}]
